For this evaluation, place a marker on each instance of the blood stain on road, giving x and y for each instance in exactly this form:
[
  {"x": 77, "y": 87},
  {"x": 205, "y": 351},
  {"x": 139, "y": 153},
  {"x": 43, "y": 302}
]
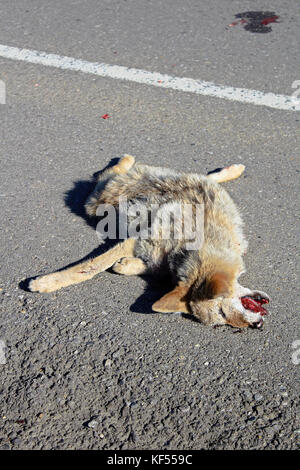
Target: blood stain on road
[{"x": 256, "y": 21}]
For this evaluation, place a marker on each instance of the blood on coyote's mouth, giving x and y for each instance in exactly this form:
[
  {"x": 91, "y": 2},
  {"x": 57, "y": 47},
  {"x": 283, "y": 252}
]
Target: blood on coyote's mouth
[{"x": 254, "y": 303}]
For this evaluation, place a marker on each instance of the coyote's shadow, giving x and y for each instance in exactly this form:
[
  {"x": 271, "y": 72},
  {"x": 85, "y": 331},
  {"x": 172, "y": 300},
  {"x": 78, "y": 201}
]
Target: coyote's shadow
[{"x": 76, "y": 197}]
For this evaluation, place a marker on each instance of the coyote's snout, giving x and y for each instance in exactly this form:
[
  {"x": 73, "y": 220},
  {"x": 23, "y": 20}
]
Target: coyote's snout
[{"x": 205, "y": 279}]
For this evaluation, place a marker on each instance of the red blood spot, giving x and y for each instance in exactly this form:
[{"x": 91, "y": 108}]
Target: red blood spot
[
  {"x": 105, "y": 116},
  {"x": 238, "y": 22},
  {"x": 270, "y": 19}
]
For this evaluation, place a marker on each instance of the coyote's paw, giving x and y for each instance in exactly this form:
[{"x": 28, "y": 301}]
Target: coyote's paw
[
  {"x": 235, "y": 170},
  {"x": 228, "y": 173},
  {"x": 47, "y": 283},
  {"x": 129, "y": 266},
  {"x": 124, "y": 165}
]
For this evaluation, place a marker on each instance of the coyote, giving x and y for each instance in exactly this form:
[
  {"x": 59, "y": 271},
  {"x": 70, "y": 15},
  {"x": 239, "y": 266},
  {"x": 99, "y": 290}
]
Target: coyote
[{"x": 205, "y": 280}]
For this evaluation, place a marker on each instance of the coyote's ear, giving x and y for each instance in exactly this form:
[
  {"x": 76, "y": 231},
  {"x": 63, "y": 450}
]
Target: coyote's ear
[
  {"x": 174, "y": 301},
  {"x": 221, "y": 283}
]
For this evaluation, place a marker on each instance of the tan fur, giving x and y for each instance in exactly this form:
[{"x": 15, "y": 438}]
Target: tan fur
[
  {"x": 221, "y": 283},
  {"x": 130, "y": 266},
  {"x": 84, "y": 271},
  {"x": 227, "y": 174},
  {"x": 124, "y": 165},
  {"x": 174, "y": 301},
  {"x": 206, "y": 279}
]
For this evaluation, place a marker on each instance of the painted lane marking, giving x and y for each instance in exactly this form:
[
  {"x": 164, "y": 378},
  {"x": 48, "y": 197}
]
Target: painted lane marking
[{"x": 199, "y": 87}]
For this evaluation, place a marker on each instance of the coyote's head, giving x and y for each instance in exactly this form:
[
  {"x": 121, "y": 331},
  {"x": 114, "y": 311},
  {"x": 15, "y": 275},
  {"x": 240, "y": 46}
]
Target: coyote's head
[{"x": 219, "y": 300}]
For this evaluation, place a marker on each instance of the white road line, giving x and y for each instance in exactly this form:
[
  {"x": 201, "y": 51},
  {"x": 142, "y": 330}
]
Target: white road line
[{"x": 190, "y": 85}]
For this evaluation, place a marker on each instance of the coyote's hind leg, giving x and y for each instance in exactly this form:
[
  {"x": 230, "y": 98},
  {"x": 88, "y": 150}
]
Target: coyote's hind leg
[
  {"x": 227, "y": 174},
  {"x": 82, "y": 271},
  {"x": 121, "y": 168},
  {"x": 130, "y": 266},
  {"x": 123, "y": 165}
]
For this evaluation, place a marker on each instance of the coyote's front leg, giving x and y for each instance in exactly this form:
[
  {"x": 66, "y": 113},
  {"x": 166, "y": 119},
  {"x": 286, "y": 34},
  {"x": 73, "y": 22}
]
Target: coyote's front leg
[{"x": 83, "y": 271}]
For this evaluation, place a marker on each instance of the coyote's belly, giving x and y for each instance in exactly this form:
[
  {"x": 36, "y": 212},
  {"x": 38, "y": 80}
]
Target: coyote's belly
[{"x": 219, "y": 232}]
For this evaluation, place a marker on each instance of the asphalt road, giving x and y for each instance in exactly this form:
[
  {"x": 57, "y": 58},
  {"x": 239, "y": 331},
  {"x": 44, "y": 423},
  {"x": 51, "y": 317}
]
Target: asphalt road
[{"x": 90, "y": 367}]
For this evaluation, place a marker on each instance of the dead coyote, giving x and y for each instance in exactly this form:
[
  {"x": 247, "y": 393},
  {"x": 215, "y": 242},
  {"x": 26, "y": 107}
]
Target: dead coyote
[{"x": 205, "y": 279}]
